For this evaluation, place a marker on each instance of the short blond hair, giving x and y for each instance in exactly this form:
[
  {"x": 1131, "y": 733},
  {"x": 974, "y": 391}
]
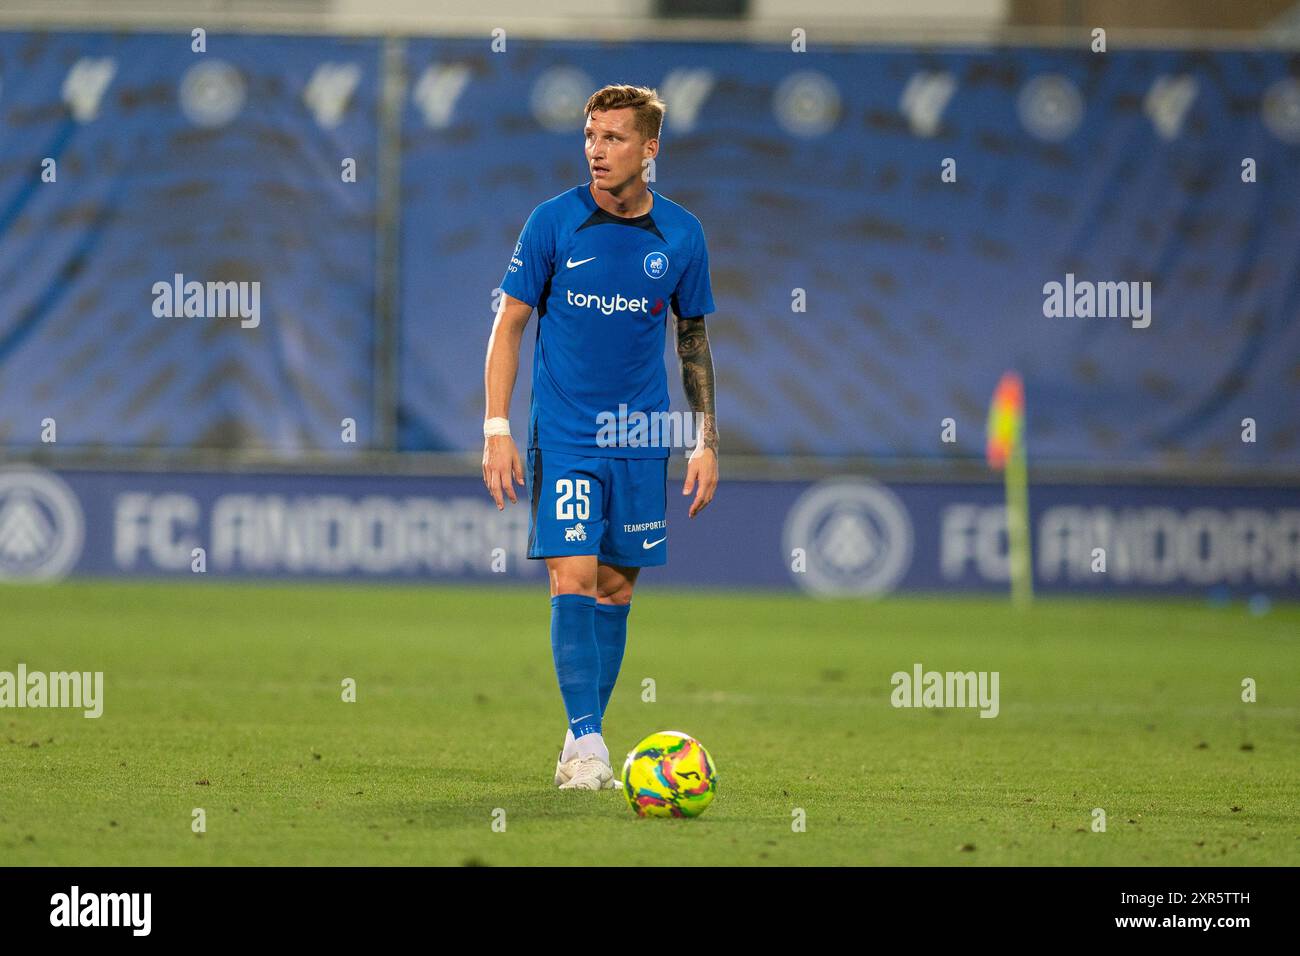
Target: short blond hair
[{"x": 645, "y": 101}]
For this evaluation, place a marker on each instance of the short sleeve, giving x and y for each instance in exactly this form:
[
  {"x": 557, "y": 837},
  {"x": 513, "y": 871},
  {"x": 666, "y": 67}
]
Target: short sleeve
[
  {"x": 694, "y": 295},
  {"x": 533, "y": 260}
]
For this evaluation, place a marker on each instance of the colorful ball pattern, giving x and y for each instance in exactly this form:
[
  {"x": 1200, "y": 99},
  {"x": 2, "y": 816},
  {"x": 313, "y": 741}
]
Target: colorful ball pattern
[{"x": 669, "y": 774}]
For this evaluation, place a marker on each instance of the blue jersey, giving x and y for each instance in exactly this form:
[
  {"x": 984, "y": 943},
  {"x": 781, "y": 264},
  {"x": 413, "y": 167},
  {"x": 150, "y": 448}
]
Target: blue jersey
[{"x": 603, "y": 286}]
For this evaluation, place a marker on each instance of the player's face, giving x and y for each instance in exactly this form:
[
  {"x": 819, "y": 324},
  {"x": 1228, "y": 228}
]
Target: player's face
[{"x": 615, "y": 150}]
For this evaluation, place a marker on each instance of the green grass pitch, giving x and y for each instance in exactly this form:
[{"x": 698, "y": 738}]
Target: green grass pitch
[{"x": 228, "y": 698}]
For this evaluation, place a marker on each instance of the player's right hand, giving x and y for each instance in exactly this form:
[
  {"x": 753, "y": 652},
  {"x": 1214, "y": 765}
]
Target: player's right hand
[{"x": 500, "y": 465}]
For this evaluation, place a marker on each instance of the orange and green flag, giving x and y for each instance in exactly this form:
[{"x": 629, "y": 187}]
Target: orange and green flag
[
  {"x": 1006, "y": 420},
  {"x": 1006, "y": 453}
]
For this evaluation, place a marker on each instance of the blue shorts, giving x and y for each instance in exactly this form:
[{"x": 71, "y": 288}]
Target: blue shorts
[{"x": 614, "y": 508}]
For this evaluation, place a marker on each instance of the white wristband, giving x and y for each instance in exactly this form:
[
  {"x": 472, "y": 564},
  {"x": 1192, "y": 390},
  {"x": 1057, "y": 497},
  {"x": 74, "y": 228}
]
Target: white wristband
[{"x": 492, "y": 427}]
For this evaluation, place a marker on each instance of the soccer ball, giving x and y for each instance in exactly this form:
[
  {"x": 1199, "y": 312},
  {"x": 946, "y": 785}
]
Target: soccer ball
[{"x": 669, "y": 774}]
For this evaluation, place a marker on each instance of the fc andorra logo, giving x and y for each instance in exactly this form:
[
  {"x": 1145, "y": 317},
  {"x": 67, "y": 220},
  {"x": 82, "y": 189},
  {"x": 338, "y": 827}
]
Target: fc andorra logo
[
  {"x": 41, "y": 525},
  {"x": 855, "y": 535},
  {"x": 656, "y": 264}
]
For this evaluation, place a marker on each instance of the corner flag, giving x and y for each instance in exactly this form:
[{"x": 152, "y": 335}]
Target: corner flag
[{"x": 1005, "y": 452}]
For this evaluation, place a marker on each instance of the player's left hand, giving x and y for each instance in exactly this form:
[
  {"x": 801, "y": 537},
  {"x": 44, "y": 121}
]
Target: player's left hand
[{"x": 702, "y": 477}]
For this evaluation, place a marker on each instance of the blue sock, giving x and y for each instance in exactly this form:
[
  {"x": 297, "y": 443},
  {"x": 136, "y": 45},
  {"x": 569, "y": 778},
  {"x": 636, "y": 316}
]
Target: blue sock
[
  {"x": 577, "y": 660},
  {"x": 611, "y": 639}
]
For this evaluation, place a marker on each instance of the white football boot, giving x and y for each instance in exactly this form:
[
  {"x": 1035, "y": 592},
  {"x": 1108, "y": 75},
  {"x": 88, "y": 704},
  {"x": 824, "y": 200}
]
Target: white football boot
[
  {"x": 587, "y": 773},
  {"x": 564, "y": 772}
]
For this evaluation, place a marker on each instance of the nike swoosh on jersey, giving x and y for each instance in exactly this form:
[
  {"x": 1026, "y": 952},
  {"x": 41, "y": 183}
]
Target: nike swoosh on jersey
[
  {"x": 647, "y": 545},
  {"x": 573, "y": 265}
]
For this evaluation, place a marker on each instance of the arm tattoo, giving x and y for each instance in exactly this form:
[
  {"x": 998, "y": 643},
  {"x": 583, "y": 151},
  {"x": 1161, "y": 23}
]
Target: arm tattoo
[{"x": 697, "y": 376}]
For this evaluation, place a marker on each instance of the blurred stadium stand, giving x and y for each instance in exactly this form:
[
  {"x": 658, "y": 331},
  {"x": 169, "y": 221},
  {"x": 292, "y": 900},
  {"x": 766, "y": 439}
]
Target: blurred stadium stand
[{"x": 816, "y": 171}]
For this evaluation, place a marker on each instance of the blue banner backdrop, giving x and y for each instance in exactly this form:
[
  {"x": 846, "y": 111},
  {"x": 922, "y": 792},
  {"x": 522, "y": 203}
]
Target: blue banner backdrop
[
  {"x": 823, "y": 172},
  {"x": 129, "y": 160},
  {"x": 862, "y": 298}
]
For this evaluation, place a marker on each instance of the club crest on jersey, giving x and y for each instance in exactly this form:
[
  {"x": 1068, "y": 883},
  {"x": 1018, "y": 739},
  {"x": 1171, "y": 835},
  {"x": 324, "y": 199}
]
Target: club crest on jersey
[
  {"x": 575, "y": 533},
  {"x": 655, "y": 265}
]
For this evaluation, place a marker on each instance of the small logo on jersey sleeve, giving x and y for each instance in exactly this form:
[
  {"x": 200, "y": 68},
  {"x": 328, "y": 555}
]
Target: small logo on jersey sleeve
[{"x": 655, "y": 265}]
